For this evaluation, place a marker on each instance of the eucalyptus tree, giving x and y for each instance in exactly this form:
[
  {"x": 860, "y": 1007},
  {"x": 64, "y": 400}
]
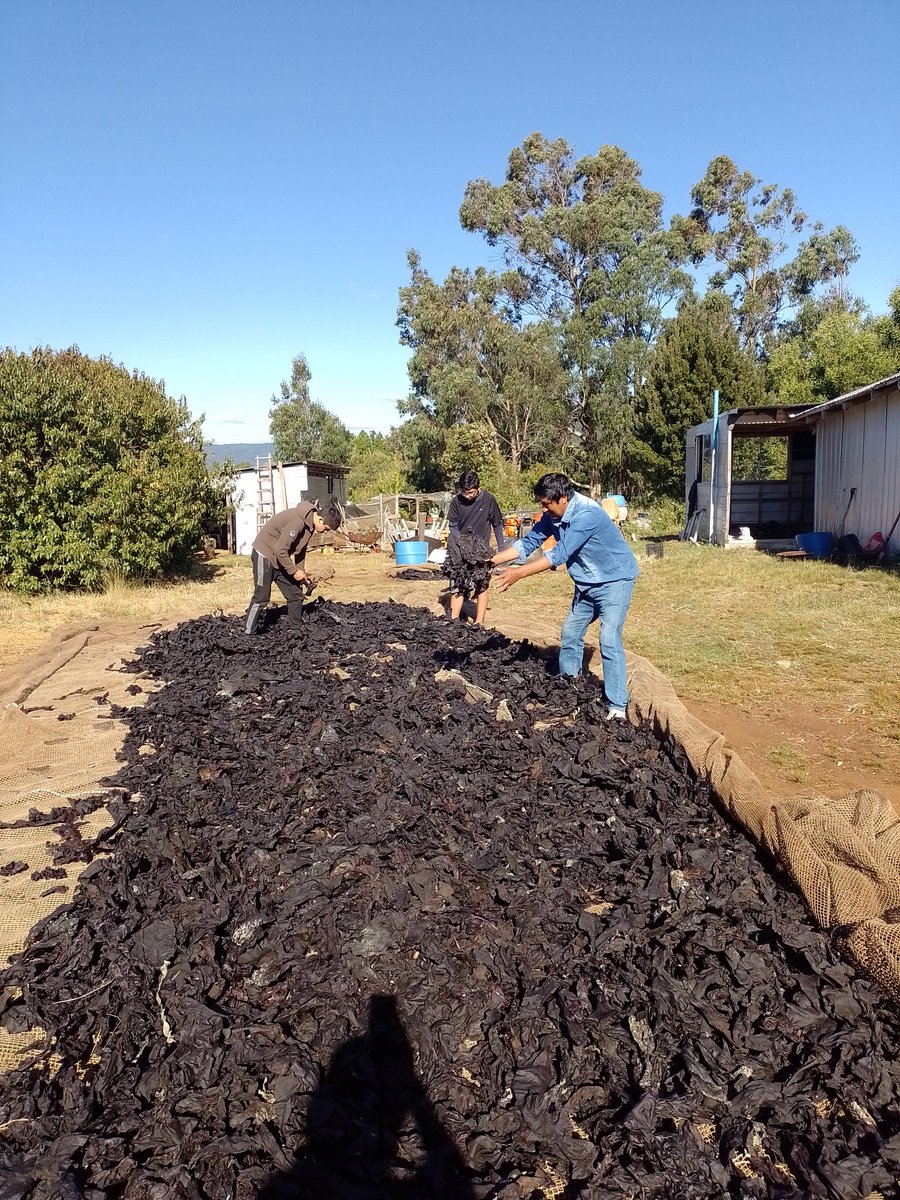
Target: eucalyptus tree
[
  {"x": 474, "y": 360},
  {"x": 587, "y": 244},
  {"x": 766, "y": 253},
  {"x": 302, "y": 428}
]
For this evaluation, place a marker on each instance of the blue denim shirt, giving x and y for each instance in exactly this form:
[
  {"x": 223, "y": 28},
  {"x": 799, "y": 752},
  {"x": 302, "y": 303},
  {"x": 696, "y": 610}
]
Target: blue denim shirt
[{"x": 587, "y": 541}]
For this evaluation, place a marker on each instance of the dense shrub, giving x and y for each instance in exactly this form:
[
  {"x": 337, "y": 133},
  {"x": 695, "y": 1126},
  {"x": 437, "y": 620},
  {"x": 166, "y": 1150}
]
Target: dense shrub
[{"x": 101, "y": 473}]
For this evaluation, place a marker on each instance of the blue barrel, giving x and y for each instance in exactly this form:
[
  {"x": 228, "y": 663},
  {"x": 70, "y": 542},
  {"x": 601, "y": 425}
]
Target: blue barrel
[
  {"x": 410, "y": 553},
  {"x": 816, "y": 545}
]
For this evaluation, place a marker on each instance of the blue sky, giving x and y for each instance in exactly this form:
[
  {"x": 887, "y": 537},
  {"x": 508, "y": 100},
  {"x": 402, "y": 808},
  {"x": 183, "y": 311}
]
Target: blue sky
[{"x": 202, "y": 189}]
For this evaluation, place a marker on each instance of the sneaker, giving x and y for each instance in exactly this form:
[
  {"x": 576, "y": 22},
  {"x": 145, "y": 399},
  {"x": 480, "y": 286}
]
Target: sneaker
[{"x": 615, "y": 714}]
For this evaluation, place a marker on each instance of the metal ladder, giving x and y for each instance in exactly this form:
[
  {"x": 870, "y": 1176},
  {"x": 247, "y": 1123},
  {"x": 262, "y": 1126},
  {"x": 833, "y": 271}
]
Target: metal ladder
[{"x": 265, "y": 491}]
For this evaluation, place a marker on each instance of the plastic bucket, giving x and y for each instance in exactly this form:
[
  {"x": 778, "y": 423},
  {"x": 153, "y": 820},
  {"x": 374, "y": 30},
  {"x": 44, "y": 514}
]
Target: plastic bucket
[
  {"x": 410, "y": 552},
  {"x": 816, "y": 545}
]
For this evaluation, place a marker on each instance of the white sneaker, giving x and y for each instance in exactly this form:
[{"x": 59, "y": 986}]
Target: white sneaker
[{"x": 615, "y": 714}]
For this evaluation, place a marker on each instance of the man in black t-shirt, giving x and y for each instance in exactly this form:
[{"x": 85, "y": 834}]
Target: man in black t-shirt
[{"x": 477, "y": 512}]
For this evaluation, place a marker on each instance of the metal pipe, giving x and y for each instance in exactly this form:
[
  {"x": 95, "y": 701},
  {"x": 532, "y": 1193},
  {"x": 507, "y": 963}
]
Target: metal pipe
[{"x": 712, "y": 465}]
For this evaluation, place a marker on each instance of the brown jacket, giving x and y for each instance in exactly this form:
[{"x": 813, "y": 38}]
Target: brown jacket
[{"x": 284, "y": 538}]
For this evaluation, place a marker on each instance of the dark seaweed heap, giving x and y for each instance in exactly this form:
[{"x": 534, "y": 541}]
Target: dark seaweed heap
[
  {"x": 468, "y": 563},
  {"x": 357, "y": 937},
  {"x": 418, "y": 574}
]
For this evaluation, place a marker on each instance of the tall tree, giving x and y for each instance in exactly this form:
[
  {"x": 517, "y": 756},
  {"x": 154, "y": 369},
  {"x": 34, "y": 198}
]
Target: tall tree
[
  {"x": 474, "y": 360},
  {"x": 589, "y": 246},
  {"x": 752, "y": 232},
  {"x": 696, "y": 353},
  {"x": 302, "y": 428},
  {"x": 843, "y": 350}
]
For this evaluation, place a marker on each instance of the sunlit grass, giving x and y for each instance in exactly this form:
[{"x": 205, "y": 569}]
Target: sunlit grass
[{"x": 739, "y": 626}]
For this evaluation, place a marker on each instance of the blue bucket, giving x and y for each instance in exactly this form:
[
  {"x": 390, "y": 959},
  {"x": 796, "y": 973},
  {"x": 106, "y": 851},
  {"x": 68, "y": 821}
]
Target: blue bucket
[
  {"x": 620, "y": 500},
  {"x": 410, "y": 553},
  {"x": 816, "y": 545}
]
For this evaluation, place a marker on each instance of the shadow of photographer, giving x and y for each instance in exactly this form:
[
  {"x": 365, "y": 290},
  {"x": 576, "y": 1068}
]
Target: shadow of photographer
[{"x": 371, "y": 1130}]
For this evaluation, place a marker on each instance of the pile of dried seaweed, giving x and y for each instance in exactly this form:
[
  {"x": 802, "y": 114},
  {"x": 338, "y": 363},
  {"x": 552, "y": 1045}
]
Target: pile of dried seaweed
[
  {"x": 468, "y": 563},
  {"x": 392, "y": 913},
  {"x": 417, "y": 574}
]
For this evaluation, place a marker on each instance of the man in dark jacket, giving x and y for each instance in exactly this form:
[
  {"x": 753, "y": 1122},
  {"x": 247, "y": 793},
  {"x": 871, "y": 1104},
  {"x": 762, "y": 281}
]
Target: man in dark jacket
[
  {"x": 476, "y": 512},
  {"x": 278, "y": 556}
]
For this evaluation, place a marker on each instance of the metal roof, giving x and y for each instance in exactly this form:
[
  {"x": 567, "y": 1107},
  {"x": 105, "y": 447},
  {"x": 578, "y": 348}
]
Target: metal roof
[
  {"x": 317, "y": 468},
  {"x": 769, "y": 415},
  {"x": 862, "y": 393}
]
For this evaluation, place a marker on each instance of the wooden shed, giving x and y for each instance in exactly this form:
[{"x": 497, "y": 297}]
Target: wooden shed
[{"x": 754, "y": 471}]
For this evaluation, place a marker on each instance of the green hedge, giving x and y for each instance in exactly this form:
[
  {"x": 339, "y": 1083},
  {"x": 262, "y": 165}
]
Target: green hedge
[{"x": 102, "y": 474}]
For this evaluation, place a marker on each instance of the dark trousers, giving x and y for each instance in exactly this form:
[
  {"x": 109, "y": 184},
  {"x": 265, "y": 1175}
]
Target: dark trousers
[{"x": 264, "y": 575}]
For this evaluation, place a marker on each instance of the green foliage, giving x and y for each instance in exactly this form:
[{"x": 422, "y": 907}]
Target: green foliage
[
  {"x": 420, "y": 443},
  {"x": 666, "y": 516},
  {"x": 748, "y": 230},
  {"x": 376, "y": 466},
  {"x": 696, "y": 353},
  {"x": 474, "y": 360},
  {"x": 843, "y": 351},
  {"x": 586, "y": 242},
  {"x": 303, "y": 429},
  {"x": 468, "y": 448},
  {"x": 756, "y": 458},
  {"x": 101, "y": 474},
  {"x": 559, "y": 356}
]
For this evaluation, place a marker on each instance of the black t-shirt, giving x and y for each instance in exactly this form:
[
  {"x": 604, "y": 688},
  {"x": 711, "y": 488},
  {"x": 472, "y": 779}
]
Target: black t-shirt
[{"x": 478, "y": 516}]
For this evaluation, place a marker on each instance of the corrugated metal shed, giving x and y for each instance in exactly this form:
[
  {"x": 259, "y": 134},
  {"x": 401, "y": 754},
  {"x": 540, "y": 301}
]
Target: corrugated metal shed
[{"x": 858, "y": 452}]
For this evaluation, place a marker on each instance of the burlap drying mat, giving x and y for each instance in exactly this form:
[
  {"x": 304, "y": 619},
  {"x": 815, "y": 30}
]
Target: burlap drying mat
[
  {"x": 844, "y": 854},
  {"x": 57, "y": 741}
]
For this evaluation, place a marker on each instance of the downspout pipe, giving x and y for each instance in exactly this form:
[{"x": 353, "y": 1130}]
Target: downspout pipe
[{"x": 712, "y": 466}]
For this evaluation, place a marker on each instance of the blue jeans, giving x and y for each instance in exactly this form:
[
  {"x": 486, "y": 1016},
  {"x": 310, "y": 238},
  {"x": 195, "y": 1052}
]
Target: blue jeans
[{"x": 608, "y": 604}]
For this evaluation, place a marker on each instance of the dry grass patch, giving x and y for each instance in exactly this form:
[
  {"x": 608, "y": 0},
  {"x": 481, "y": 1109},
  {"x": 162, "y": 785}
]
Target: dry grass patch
[
  {"x": 748, "y": 629},
  {"x": 25, "y": 623}
]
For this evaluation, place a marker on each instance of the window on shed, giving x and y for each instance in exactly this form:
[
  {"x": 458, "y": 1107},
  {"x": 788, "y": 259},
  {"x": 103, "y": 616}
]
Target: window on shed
[
  {"x": 330, "y": 484},
  {"x": 704, "y": 459},
  {"x": 754, "y": 459}
]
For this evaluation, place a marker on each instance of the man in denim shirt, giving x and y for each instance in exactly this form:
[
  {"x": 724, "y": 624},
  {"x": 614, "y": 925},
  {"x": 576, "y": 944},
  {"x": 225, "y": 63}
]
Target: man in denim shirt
[{"x": 602, "y": 568}]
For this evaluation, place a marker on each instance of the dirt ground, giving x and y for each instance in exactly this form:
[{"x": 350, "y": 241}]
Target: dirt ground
[{"x": 837, "y": 750}]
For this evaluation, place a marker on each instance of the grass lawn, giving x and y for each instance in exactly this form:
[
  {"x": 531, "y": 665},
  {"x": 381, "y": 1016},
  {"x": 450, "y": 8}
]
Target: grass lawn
[{"x": 796, "y": 662}]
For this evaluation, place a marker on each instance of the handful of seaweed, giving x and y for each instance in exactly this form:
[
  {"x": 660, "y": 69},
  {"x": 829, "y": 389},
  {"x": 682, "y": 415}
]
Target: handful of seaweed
[
  {"x": 468, "y": 564},
  {"x": 392, "y": 914}
]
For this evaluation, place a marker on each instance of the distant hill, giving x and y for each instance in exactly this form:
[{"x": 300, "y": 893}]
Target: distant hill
[{"x": 238, "y": 452}]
